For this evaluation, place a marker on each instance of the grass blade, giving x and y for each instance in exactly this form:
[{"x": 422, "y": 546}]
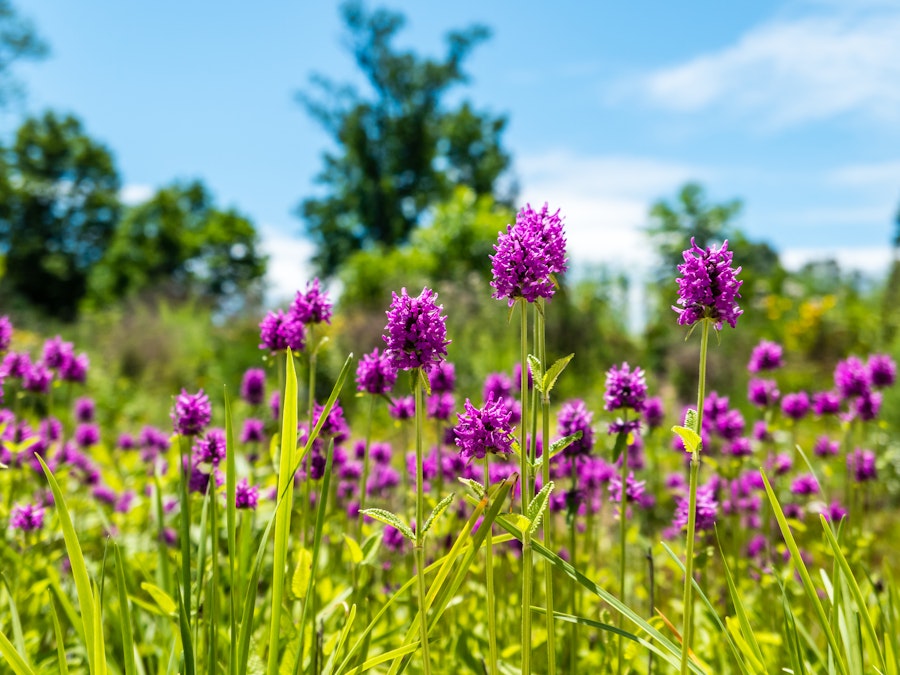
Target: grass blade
[
  {"x": 231, "y": 527},
  {"x": 13, "y": 658},
  {"x": 124, "y": 614}
]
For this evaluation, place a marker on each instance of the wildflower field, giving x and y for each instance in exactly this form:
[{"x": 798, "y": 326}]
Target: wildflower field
[{"x": 380, "y": 517}]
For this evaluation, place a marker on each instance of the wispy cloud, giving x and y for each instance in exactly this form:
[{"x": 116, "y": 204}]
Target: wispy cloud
[
  {"x": 289, "y": 268},
  {"x": 820, "y": 62},
  {"x": 135, "y": 193},
  {"x": 871, "y": 260}
]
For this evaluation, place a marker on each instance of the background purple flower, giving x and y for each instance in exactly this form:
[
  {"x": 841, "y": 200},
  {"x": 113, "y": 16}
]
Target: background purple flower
[
  {"x": 851, "y": 378},
  {"x": 767, "y": 355},
  {"x": 26, "y": 517},
  {"x": 625, "y": 388},
  {"x": 312, "y": 306},
  {"x": 253, "y": 431},
  {"x": 191, "y": 413},
  {"x": 279, "y": 331},
  {"x": 653, "y": 413},
  {"x": 442, "y": 378},
  {"x": 209, "y": 451},
  {"x": 375, "y": 373},
  {"x": 763, "y": 393},
  {"x": 484, "y": 430},
  {"x": 246, "y": 496},
  {"x": 6, "y": 332},
  {"x": 84, "y": 409},
  {"x": 826, "y": 403},
  {"x": 706, "y": 511},
  {"x": 74, "y": 369},
  {"x": 882, "y": 370},
  {"x": 416, "y": 333},
  {"x": 861, "y": 465},
  {"x": 795, "y": 405},
  {"x": 573, "y": 417},
  {"x": 708, "y": 288},
  {"x": 253, "y": 386},
  {"x": 402, "y": 408}
]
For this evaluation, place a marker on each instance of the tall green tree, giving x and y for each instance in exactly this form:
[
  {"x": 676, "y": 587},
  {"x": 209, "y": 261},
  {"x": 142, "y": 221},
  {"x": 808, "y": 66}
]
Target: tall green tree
[
  {"x": 180, "y": 245},
  {"x": 60, "y": 207},
  {"x": 18, "y": 41},
  {"x": 399, "y": 150}
]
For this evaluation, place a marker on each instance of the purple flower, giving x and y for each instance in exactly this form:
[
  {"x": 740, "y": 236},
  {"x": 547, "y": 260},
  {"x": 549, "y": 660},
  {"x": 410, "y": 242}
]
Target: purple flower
[
  {"x": 6, "y": 331},
  {"x": 74, "y": 369},
  {"x": 861, "y": 465},
  {"x": 709, "y": 288},
  {"x": 707, "y": 508},
  {"x": 739, "y": 447},
  {"x": 84, "y": 410},
  {"x": 825, "y": 447},
  {"x": 375, "y": 373},
  {"x": 826, "y": 403},
  {"x": 275, "y": 405},
  {"x": 26, "y": 517},
  {"x": 527, "y": 256},
  {"x": 573, "y": 417},
  {"x": 87, "y": 435},
  {"x": 253, "y": 386},
  {"x": 497, "y": 386},
  {"x": 442, "y": 378},
  {"x": 246, "y": 496},
  {"x": 416, "y": 333},
  {"x": 767, "y": 355},
  {"x": 763, "y": 393},
  {"x": 393, "y": 539},
  {"x": 517, "y": 377},
  {"x": 805, "y": 484},
  {"x": 625, "y": 388},
  {"x": 313, "y": 306},
  {"x": 653, "y": 412},
  {"x": 154, "y": 439},
  {"x": 209, "y": 451},
  {"x": 440, "y": 406},
  {"x": 191, "y": 413},
  {"x": 37, "y": 379},
  {"x": 795, "y": 405},
  {"x": 867, "y": 406},
  {"x": 253, "y": 431},
  {"x": 761, "y": 431},
  {"x": 834, "y": 512},
  {"x": 56, "y": 352},
  {"x": 634, "y": 489},
  {"x": 334, "y": 426},
  {"x": 484, "y": 430},
  {"x": 730, "y": 425},
  {"x": 105, "y": 494},
  {"x": 781, "y": 464},
  {"x": 51, "y": 429},
  {"x": 851, "y": 378},
  {"x": 126, "y": 441},
  {"x": 280, "y": 331},
  {"x": 403, "y": 408},
  {"x": 882, "y": 370},
  {"x": 123, "y": 503}
]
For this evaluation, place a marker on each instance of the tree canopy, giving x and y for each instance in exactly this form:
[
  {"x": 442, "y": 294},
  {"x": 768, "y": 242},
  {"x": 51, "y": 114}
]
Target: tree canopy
[{"x": 400, "y": 150}]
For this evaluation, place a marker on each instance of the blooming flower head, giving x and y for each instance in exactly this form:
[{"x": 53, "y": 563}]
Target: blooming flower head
[
  {"x": 573, "y": 417},
  {"x": 56, "y": 352},
  {"x": 209, "y": 451},
  {"x": 246, "y": 496},
  {"x": 416, "y": 333},
  {"x": 442, "y": 378},
  {"x": 707, "y": 508},
  {"x": 497, "y": 386},
  {"x": 654, "y": 414},
  {"x": 527, "y": 256},
  {"x": 867, "y": 406},
  {"x": 74, "y": 369},
  {"x": 26, "y": 517},
  {"x": 805, "y": 484},
  {"x": 312, "y": 306},
  {"x": 334, "y": 426},
  {"x": 6, "y": 331},
  {"x": 375, "y": 373},
  {"x": 825, "y": 447},
  {"x": 280, "y": 331},
  {"x": 191, "y": 413},
  {"x": 851, "y": 378},
  {"x": 37, "y": 379},
  {"x": 767, "y": 355},
  {"x": 826, "y": 403},
  {"x": 253, "y": 431},
  {"x": 402, "y": 408},
  {"x": 708, "y": 288},
  {"x": 253, "y": 386},
  {"x": 730, "y": 425},
  {"x": 484, "y": 430},
  {"x": 87, "y": 435},
  {"x": 763, "y": 393},
  {"x": 84, "y": 409},
  {"x": 634, "y": 489},
  {"x": 795, "y": 405},
  {"x": 625, "y": 388},
  {"x": 882, "y": 370},
  {"x": 861, "y": 465},
  {"x": 440, "y": 406}
]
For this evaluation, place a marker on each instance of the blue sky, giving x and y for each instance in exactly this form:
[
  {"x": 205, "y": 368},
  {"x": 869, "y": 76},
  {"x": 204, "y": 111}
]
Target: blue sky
[{"x": 791, "y": 106}]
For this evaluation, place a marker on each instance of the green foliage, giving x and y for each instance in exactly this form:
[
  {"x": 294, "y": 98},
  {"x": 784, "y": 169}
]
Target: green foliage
[
  {"x": 180, "y": 245},
  {"x": 401, "y": 151},
  {"x": 59, "y": 211},
  {"x": 18, "y": 41}
]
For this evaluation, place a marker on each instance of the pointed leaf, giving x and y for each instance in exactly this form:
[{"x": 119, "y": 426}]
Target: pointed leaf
[
  {"x": 690, "y": 420},
  {"x": 438, "y": 510},
  {"x": 302, "y": 573},
  {"x": 356, "y": 554},
  {"x": 552, "y": 375},
  {"x": 391, "y": 519},
  {"x": 619, "y": 447},
  {"x": 476, "y": 487},
  {"x": 13, "y": 658},
  {"x": 689, "y": 437},
  {"x": 538, "y": 506},
  {"x": 162, "y": 599},
  {"x": 537, "y": 373}
]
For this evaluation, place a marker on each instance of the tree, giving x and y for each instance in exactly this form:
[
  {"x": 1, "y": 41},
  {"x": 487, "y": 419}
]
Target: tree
[
  {"x": 179, "y": 244},
  {"x": 400, "y": 151},
  {"x": 18, "y": 41},
  {"x": 60, "y": 207}
]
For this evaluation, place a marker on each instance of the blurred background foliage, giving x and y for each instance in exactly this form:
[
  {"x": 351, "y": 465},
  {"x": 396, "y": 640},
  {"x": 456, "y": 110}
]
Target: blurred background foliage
[{"x": 169, "y": 292}]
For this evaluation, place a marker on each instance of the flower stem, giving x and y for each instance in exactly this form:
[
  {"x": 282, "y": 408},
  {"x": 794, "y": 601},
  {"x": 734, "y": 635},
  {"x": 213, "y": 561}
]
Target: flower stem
[
  {"x": 623, "y": 531},
  {"x": 527, "y": 568},
  {"x": 688, "y": 626},
  {"x": 525, "y": 469},
  {"x": 420, "y": 521},
  {"x": 364, "y": 480},
  {"x": 489, "y": 573}
]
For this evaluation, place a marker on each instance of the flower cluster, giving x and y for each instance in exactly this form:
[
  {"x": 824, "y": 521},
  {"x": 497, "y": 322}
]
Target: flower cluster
[
  {"x": 416, "y": 332},
  {"x": 281, "y": 330},
  {"x": 375, "y": 373},
  {"x": 191, "y": 413},
  {"x": 574, "y": 417},
  {"x": 484, "y": 430},
  {"x": 528, "y": 255},
  {"x": 708, "y": 288}
]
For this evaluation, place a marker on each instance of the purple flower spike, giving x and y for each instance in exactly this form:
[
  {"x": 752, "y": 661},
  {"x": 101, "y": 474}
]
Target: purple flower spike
[
  {"x": 825, "y": 447},
  {"x": 403, "y": 408},
  {"x": 6, "y": 331},
  {"x": 313, "y": 306},
  {"x": 56, "y": 352},
  {"x": 767, "y": 355},
  {"x": 625, "y": 388},
  {"x": 192, "y": 413},
  {"x": 482, "y": 431},
  {"x": 826, "y": 403},
  {"x": 246, "y": 496},
  {"x": 527, "y": 256},
  {"x": 805, "y": 485},
  {"x": 375, "y": 373},
  {"x": 416, "y": 333},
  {"x": 498, "y": 386},
  {"x": 253, "y": 386},
  {"x": 37, "y": 379},
  {"x": 253, "y": 431},
  {"x": 654, "y": 414},
  {"x": 707, "y": 508},
  {"x": 709, "y": 288},
  {"x": 763, "y": 393},
  {"x": 87, "y": 435},
  {"x": 867, "y": 406},
  {"x": 574, "y": 416},
  {"x": 795, "y": 405},
  {"x": 209, "y": 451},
  {"x": 26, "y": 517},
  {"x": 861, "y": 465},
  {"x": 851, "y": 378},
  {"x": 882, "y": 370},
  {"x": 280, "y": 331},
  {"x": 84, "y": 410},
  {"x": 442, "y": 378},
  {"x": 74, "y": 369}
]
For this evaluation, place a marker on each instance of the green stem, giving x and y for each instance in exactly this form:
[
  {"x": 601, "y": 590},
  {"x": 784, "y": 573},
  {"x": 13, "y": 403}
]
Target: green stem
[
  {"x": 185, "y": 534},
  {"x": 573, "y": 557},
  {"x": 527, "y": 568},
  {"x": 489, "y": 573},
  {"x": 365, "y": 472},
  {"x": 418, "y": 374},
  {"x": 623, "y": 531},
  {"x": 307, "y": 484},
  {"x": 527, "y": 494},
  {"x": 688, "y": 626},
  {"x": 212, "y": 600}
]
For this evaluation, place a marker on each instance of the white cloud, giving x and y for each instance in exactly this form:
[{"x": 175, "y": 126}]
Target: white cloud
[
  {"x": 289, "y": 267},
  {"x": 605, "y": 200},
  {"x": 834, "y": 59},
  {"x": 871, "y": 260},
  {"x": 135, "y": 193},
  {"x": 873, "y": 176}
]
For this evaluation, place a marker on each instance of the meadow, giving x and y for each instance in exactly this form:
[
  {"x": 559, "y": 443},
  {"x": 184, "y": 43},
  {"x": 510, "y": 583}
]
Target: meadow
[{"x": 271, "y": 523}]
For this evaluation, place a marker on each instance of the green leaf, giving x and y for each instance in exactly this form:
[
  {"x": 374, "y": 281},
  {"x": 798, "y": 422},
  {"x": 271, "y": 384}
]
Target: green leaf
[
  {"x": 553, "y": 374},
  {"x": 691, "y": 420},
  {"x": 391, "y": 519},
  {"x": 538, "y": 506},
  {"x": 619, "y": 447},
  {"x": 423, "y": 379},
  {"x": 356, "y": 554},
  {"x": 537, "y": 372},
  {"x": 689, "y": 437},
  {"x": 124, "y": 614},
  {"x": 557, "y": 447},
  {"x": 13, "y": 659},
  {"x": 302, "y": 573},
  {"x": 438, "y": 510},
  {"x": 583, "y": 621},
  {"x": 476, "y": 487},
  {"x": 162, "y": 599}
]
